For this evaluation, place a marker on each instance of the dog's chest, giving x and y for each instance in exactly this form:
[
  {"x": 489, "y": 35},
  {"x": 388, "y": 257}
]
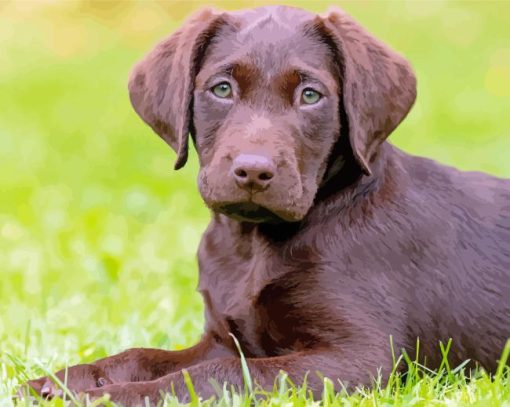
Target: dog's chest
[
  {"x": 232, "y": 288},
  {"x": 251, "y": 299}
]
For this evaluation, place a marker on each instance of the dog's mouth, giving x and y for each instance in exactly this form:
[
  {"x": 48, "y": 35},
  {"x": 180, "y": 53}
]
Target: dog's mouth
[{"x": 250, "y": 212}]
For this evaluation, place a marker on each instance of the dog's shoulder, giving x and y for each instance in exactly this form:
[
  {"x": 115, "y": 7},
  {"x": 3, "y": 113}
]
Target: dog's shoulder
[
  {"x": 475, "y": 206},
  {"x": 440, "y": 182}
]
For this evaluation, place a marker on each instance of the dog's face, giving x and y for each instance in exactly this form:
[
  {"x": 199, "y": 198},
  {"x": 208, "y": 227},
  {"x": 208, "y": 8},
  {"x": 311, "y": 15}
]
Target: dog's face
[
  {"x": 265, "y": 115},
  {"x": 261, "y": 92}
]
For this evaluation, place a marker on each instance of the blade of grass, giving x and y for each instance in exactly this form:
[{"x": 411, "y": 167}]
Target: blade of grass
[
  {"x": 191, "y": 388},
  {"x": 502, "y": 362},
  {"x": 244, "y": 365},
  {"x": 444, "y": 362}
]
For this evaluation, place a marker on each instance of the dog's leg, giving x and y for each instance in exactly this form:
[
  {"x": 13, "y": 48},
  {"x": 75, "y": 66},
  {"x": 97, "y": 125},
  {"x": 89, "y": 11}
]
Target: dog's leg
[
  {"x": 138, "y": 364},
  {"x": 352, "y": 369}
]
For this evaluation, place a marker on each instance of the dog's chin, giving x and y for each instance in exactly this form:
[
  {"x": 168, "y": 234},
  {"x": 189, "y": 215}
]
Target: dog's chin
[{"x": 254, "y": 213}]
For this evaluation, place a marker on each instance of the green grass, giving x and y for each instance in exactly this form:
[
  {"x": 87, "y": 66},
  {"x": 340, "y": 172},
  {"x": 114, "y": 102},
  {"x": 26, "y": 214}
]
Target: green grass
[
  {"x": 416, "y": 386},
  {"x": 98, "y": 234}
]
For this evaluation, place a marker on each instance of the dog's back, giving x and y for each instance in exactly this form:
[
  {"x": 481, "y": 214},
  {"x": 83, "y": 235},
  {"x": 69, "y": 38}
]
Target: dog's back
[{"x": 462, "y": 287}]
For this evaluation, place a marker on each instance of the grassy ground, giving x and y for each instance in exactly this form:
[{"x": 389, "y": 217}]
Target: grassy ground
[{"x": 98, "y": 235}]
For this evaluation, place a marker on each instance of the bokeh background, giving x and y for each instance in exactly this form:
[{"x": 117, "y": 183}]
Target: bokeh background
[{"x": 98, "y": 234}]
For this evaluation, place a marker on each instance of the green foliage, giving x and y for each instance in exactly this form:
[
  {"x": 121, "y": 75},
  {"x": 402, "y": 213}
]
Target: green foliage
[
  {"x": 98, "y": 235},
  {"x": 417, "y": 386}
]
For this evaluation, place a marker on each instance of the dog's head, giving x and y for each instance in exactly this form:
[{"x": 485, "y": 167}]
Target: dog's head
[{"x": 261, "y": 92}]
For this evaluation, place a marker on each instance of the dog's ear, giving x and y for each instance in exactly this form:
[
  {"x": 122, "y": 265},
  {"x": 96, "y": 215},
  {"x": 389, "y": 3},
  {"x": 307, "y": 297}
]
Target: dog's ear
[
  {"x": 161, "y": 85},
  {"x": 378, "y": 85}
]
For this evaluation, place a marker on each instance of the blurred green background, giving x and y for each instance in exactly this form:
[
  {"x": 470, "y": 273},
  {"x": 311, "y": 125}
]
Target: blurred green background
[{"x": 98, "y": 234}]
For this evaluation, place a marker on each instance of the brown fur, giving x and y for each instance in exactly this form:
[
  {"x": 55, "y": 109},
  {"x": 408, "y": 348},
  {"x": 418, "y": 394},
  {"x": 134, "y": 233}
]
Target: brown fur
[{"x": 353, "y": 240}]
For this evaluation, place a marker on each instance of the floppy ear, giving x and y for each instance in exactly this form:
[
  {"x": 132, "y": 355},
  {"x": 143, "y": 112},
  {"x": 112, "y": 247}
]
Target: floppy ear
[
  {"x": 161, "y": 85},
  {"x": 378, "y": 85}
]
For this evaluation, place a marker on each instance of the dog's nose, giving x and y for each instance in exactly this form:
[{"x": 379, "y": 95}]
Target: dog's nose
[{"x": 253, "y": 172}]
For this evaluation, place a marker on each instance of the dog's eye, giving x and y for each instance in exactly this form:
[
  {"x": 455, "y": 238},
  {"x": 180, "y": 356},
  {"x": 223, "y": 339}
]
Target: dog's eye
[
  {"x": 222, "y": 90},
  {"x": 310, "y": 96}
]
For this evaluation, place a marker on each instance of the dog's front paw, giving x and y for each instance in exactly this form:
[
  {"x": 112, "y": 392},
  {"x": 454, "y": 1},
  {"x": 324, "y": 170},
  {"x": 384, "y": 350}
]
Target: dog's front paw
[{"x": 76, "y": 379}]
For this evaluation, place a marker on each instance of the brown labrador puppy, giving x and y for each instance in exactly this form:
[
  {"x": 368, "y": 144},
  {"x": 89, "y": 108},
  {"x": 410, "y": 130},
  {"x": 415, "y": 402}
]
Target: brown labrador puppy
[{"x": 325, "y": 239}]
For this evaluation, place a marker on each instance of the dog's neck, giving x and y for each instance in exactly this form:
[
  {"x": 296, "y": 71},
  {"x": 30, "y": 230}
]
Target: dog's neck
[{"x": 345, "y": 183}]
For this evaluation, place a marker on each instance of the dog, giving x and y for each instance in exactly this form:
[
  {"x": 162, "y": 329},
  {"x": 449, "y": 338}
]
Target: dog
[{"x": 325, "y": 239}]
